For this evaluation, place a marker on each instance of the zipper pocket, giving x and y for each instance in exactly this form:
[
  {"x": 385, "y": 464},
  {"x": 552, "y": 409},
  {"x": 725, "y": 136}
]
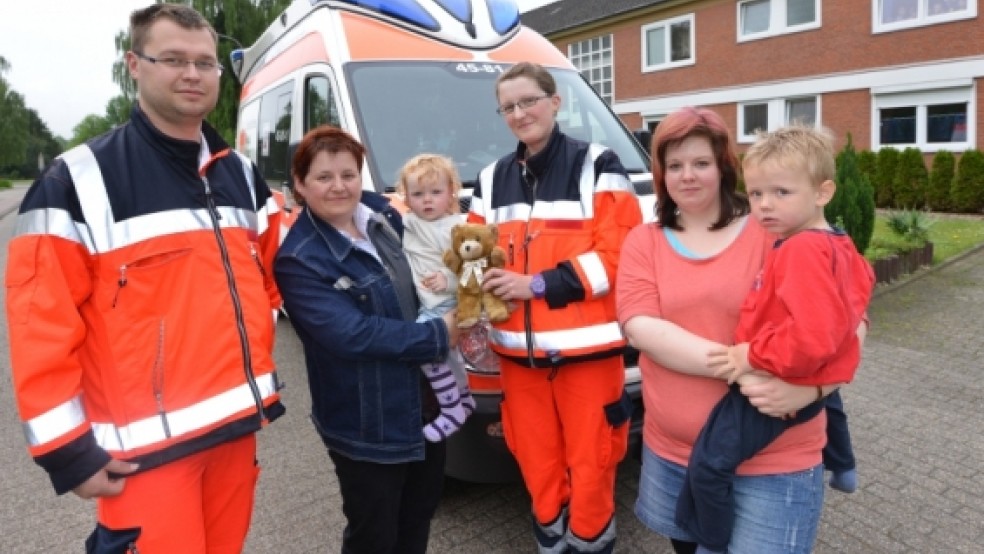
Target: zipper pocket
[
  {"x": 157, "y": 375},
  {"x": 120, "y": 283},
  {"x": 256, "y": 258}
]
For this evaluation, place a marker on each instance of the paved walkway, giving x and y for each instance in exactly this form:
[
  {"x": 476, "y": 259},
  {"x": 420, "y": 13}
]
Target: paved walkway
[{"x": 916, "y": 409}]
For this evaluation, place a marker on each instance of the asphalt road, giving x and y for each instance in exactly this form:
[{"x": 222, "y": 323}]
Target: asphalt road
[{"x": 916, "y": 409}]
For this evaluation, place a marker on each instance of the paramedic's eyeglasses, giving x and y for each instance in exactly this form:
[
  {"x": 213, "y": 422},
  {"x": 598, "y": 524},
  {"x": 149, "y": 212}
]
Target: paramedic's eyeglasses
[
  {"x": 202, "y": 66},
  {"x": 523, "y": 104}
]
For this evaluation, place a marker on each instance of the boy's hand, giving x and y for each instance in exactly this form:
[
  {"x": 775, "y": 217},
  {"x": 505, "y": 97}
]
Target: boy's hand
[{"x": 729, "y": 363}]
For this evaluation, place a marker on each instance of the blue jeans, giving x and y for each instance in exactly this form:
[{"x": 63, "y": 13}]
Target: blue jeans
[
  {"x": 735, "y": 431},
  {"x": 774, "y": 514}
]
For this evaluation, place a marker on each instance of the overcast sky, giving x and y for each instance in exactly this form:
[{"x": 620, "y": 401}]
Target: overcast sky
[{"x": 61, "y": 54}]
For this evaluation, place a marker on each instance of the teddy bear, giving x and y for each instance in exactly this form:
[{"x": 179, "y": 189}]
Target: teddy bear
[{"x": 474, "y": 250}]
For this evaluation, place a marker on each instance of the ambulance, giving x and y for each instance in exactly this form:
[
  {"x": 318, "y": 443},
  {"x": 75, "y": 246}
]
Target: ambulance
[{"x": 412, "y": 76}]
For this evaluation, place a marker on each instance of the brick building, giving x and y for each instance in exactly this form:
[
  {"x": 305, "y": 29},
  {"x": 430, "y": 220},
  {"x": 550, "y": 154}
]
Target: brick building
[{"x": 890, "y": 72}]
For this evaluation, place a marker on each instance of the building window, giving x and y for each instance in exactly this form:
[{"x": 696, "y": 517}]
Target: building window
[
  {"x": 763, "y": 18},
  {"x": 668, "y": 43},
  {"x": 767, "y": 115},
  {"x": 928, "y": 120},
  {"x": 891, "y": 15},
  {"x": 593, "y": 58}
]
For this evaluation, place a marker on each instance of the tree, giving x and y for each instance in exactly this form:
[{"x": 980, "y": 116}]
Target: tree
[
  {"x": 967, "y": 193},
  {"x": 92, "y": 126},
  {"x": 911, "y": 180},
  {"x": 42, "y": 147},
  {"x": 118, "y": 110},
  {"x": 853, "y": 205},
  {"x": 940, "y": 181},
  {"x": 13, "y": 122}
]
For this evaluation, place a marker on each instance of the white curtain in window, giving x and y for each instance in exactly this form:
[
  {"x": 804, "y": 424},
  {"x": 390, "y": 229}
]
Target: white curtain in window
[{"x": 755, "y": 16}]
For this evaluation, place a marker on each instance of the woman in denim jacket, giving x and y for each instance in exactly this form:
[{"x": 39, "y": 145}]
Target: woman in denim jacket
[{"x": 348, "y": 290}]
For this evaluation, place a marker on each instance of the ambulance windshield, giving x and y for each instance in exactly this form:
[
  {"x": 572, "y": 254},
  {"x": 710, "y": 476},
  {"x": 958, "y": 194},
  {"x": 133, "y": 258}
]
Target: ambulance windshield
[{"x": 449, "y": 108}]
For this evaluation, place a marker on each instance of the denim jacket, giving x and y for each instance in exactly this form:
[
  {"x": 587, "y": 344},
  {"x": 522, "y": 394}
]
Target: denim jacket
[{"x": 363, "y": 354}]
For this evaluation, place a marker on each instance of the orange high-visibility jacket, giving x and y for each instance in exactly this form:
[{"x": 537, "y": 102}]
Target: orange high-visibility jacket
[
  {"x": 564, "y": 213},
  {"x": 139, "y": 298}
]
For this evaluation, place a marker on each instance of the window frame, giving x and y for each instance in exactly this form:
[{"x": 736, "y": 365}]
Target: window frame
[
  {"x": 922, "y": 19},
  {"x": 777, "y": 114},
  {"x": 586, "y": 71},
  {"x": 777, "y": 10},
  {"x": 921, "y": 100},
  {"x": 667, "y": 24}
]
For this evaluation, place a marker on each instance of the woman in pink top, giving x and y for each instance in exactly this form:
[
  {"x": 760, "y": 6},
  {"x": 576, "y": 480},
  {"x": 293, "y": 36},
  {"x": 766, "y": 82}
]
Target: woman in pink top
[{"x": 681, "y": 282}]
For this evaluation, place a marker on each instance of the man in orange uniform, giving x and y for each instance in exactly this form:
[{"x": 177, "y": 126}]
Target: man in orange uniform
[
  {"x": 563, "y": 208},
  {"x": 139, "y": 310}
]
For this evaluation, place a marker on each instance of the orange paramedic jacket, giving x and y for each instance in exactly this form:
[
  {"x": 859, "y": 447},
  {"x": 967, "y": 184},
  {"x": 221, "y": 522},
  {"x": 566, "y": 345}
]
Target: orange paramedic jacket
[
  {"x": 139, "y": 298},
  {"x": 564, "y": 213}
]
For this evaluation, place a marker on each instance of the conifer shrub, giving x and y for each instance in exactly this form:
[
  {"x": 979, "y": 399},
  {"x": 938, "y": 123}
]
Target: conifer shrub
[
  {"x": 911, "y": 180},
  {"x": 967, "y": 192},
  {"x": 853, "y": 205},
  {"x": 940, "y": 181},
  {"x": 868, "y": 165},
  {"x": 888, "y": 159}
]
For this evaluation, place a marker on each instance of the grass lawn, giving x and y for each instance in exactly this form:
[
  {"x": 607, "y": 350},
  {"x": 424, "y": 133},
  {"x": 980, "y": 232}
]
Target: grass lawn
[{"x": 949, "y": 234}]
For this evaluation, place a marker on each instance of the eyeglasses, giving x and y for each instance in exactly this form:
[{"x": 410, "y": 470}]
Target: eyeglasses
[
  {"x": 523, "y": 104},
  {"x": 202, "y": 66}
]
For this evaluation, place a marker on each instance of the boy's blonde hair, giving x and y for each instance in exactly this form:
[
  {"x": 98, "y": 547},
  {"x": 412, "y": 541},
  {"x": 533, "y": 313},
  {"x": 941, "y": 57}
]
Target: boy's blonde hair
[
  {"x": 798, "y": 147},
  {"x": 430, "y": 166}
]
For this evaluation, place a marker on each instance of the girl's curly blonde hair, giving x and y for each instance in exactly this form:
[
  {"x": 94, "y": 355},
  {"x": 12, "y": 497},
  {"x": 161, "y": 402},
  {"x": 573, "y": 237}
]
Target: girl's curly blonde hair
[{"x": 430, "y": 166}]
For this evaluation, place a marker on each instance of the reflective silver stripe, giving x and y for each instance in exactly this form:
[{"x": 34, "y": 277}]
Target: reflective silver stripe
[
  {"x": 601, "y": 543},
  {"x": 478, "y": 205},
  {"x": 561, "y": 209},
  {"x": 102, "y": 234},
  {"x": 513, "y": 212},
  {"x": 590, "y": 262},
  {"x": 268, "y": 208},
  {"x": 53, "y": 221},
  {"x": 55, "y": 423},
  {"x": 613, "y": 182},
  {"x": 264, "y": 213},
  {"x": 587, "y": 184},
  {"x": 202, "y": 414},
  {"x": 88, "y": 179},
  {"x": 564, "y": 339},
  {"x": 248, "y": 172},
  {"x": 550, "y": 539}
]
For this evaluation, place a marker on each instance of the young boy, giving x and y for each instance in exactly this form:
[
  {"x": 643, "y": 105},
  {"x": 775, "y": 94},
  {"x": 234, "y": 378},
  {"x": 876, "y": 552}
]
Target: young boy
[
  {"x": 799, "y": 323},
  {"x": 430, "y": 185}
]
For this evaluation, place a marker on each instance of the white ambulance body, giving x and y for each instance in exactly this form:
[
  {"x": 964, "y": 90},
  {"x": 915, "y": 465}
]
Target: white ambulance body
[{"x": 412, "y": 76}]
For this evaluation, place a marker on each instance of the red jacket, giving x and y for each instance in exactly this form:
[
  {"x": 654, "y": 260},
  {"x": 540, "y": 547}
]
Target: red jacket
[
  {"x": 801, "y": 318},
  {"x": 139, "y": 302},
  {"x": 564, "y": 214}
]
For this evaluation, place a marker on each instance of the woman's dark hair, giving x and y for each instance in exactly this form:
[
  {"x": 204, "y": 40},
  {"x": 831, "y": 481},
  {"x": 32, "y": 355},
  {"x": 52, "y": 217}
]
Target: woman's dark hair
[
  {"x": 322, "y": 139},
  {"x": 697, "y": 122}
]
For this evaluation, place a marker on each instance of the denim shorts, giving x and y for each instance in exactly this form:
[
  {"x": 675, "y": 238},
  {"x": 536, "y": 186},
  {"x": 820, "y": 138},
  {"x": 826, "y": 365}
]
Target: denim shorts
[{"x": 773, "y": 513}]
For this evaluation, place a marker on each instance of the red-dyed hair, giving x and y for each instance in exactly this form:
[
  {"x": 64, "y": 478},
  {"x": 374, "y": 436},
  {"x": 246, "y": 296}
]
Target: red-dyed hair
[
  {"x": 323, "y": 139},
  {"x": 697, "y": 122}
]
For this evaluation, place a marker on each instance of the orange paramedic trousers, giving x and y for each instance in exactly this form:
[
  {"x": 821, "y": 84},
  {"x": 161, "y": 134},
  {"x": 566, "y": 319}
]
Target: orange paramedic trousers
[
  {"x": 195, "y": 505},
  {"x": 567, "y": 451}
]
